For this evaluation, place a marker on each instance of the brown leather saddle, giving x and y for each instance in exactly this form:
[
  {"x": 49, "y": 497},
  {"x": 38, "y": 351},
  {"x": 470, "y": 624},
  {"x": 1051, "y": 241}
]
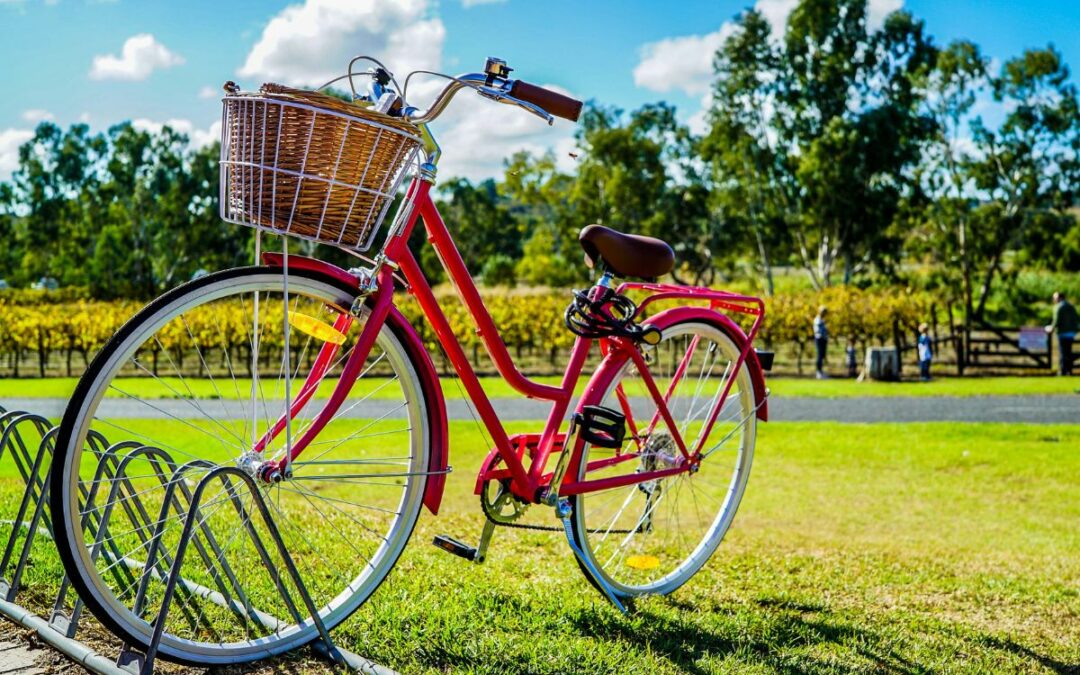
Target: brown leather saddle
[{"x": 626, "y": 255}]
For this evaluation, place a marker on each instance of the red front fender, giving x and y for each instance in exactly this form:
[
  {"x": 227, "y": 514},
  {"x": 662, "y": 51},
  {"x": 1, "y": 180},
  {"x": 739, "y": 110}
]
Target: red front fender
[{"x": 438, "y": 440}]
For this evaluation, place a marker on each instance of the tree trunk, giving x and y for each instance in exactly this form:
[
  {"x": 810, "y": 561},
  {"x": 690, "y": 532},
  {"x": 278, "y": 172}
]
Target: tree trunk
[
  {"x": 766, "y": 263},
  {"x": 988, "y": 281}
]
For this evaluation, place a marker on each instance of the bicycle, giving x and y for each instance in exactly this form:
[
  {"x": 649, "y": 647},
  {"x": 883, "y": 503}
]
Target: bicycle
[{"x": 644, "y": 471}]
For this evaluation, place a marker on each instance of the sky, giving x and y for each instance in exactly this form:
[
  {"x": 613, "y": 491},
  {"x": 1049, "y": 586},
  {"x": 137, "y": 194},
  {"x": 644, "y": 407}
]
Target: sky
[{"x": 160, "y": 62}]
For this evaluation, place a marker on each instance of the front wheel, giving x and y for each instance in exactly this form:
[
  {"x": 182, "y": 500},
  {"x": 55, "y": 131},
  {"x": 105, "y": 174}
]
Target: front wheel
[
  {"x": 194, "y": 382},
  {"x": 651, "y": 537}
]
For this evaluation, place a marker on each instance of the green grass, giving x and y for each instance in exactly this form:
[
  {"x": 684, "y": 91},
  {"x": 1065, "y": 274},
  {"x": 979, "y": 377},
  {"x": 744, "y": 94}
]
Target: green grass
[
  {"x": 858, "y": 548},
  {"x": 62, "y": 387},
  {"x": 949, "y": 386}
]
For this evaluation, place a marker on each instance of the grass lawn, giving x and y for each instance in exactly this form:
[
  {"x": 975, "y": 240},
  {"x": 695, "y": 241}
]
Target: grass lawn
[
  {"x": 858, "y": 548},
  {"x": 61, "y": 387},
  {"x": 949, "y": 386}
]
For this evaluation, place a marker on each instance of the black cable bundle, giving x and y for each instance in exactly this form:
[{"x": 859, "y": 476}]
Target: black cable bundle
[{"x": 609, "y": 315}]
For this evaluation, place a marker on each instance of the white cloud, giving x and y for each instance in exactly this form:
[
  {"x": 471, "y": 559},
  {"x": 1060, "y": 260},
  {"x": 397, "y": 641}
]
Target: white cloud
[
  {"x": 209, "y": 92},
  {"x": 473, "y": 3},
  {"x": 199, "y": 137},
  {"x": 683, "y": 63},
  {"x": 310, "y": 43},
  {"x": 36, "y": 115},
  {"x": 877, "y": 10},
  {"x": 140, "y": 56},
  {"x": 776, "y": 12},
  {"x": 10, "y": 140}
]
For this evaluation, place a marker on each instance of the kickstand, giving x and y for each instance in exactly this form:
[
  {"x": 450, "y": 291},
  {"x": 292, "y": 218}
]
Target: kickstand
[{"x": 564, "y": 511}]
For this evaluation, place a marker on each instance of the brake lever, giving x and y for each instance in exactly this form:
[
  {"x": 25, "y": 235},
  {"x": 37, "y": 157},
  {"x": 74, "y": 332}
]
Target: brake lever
[{"x": 501, "y": 96}]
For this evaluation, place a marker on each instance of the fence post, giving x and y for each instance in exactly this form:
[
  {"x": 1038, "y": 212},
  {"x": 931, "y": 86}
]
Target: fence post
[
  {"x": 1050, "y": 351},
  {"x": 897, "y": 338}
]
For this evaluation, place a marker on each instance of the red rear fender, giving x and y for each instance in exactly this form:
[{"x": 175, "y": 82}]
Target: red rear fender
[{"x": 670, "y": 317}]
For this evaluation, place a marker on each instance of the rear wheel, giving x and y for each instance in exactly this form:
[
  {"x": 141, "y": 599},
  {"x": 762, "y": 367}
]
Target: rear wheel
[
  {"x": 651, "y": 537},
  {"x": 193, "y": 382}
]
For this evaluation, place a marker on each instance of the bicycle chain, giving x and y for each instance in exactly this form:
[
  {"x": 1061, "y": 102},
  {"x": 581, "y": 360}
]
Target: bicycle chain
[
  {"x": 498, "y": 520},
  {"x": 484, "y": 506}
]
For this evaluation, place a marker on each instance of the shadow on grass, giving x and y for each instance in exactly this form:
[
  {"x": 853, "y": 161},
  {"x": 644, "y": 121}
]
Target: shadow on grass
[
  {"x": 1051, "y": 664},
  {"x": 688, "y": 643}
]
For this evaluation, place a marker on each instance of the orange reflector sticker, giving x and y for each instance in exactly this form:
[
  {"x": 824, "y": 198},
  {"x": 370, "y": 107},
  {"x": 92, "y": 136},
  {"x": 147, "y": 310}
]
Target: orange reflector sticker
[
  {"x": 320, "y": 330},
  {"x": 643, "y": 562}
]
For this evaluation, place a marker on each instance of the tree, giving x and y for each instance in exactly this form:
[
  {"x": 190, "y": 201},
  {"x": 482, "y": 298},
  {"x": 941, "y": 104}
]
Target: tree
[
  {"x": 815, "y": 136},
  {"x": 1028, "y": 169},
  {"x": 9, "y": 252},
  {"x": 54, "y": 184},
  {"x": 128, "y": 213},
  {"x": 944, "y": 232},
  {"x": 850, "y": 107},
  {"x": 537, "y": 194},
  {"x": 752, "y": 190},
  {"x": 480, "y": 220},
  {"x": 641, "y": 175}
]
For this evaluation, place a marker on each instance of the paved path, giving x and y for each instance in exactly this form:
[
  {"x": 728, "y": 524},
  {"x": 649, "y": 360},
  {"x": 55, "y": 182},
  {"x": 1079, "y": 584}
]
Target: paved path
[
  {"x": 1064, "y": 409},
  {"x": 16, "y": 658}
]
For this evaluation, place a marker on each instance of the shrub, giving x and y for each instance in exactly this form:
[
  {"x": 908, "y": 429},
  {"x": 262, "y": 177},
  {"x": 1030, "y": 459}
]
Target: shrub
[{"x": 499, "y": 270}]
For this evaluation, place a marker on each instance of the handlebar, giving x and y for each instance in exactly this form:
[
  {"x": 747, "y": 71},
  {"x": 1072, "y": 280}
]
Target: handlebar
[
  {"x": 544, "y": 103},
  {"x": 551, "y": 101}
]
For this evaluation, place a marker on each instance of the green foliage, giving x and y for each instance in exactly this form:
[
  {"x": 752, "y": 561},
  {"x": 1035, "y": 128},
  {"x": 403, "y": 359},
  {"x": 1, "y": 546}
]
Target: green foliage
[
  {"x": 127, "y": 213},
  {"x": 543, "y": 264},
  {"x": 499, "y": 270},
  {"x": 812, "y": 139}
]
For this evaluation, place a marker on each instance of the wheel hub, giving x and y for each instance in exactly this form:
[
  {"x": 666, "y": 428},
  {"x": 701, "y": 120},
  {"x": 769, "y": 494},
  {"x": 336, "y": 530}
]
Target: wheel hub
[
  {"x": 658, "y": 454},
  {"x": 262, "y": 471}
]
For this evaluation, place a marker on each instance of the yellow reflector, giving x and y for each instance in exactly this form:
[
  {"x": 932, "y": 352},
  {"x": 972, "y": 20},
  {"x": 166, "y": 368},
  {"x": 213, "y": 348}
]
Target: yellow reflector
[
  {"x": 643, "y": 562},
  {"x": 320, "y": 330}
]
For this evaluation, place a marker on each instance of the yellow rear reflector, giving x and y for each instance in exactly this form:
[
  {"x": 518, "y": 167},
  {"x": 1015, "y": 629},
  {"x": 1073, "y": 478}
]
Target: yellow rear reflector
[
  {"x": 320, "y": 330},
  {"x": 643, "y": 562}
]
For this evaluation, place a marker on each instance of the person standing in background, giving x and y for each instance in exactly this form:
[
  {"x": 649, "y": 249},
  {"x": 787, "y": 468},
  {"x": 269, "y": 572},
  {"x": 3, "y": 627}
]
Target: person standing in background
[
  {"x": 1067, "y": 324},
  {"x": 926, "y": 352},
  {"x": 821, "y": 340}
]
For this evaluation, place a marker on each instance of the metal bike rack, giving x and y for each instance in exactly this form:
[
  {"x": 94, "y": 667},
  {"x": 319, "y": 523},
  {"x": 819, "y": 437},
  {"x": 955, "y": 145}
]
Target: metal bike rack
[{"x": 28, "y": 441}]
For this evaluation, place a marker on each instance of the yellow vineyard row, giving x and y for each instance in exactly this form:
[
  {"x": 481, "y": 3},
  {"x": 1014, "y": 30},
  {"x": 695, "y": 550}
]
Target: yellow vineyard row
[{"x": 528, "y": 321}]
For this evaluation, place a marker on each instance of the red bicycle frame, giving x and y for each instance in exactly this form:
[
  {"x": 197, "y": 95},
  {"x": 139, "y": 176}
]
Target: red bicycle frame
[{"x": 526, "y": 480}]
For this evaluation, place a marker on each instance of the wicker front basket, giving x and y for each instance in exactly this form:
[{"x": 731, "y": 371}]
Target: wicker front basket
[{"x": 310, "y": 165}]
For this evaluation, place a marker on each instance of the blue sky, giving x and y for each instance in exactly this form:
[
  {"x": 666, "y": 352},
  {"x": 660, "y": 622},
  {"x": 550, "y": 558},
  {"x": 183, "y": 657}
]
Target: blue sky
[{"x": 104, "y": 61}]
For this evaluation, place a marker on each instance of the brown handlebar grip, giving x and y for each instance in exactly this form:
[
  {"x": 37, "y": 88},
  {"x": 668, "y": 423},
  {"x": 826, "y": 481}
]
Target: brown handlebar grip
[{"x": 551, "y": 101}]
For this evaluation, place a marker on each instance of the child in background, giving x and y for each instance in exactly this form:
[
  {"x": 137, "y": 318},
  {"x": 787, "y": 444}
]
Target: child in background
[{"x": 926, "y": 352}]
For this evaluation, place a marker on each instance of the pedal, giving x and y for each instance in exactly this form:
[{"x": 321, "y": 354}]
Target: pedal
[
  {"x": 451, "y": 545},
  {"x": 600, "y": 426}
]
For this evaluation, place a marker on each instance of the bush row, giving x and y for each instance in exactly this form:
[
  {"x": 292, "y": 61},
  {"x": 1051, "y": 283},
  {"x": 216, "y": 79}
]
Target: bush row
[{"x": 530, "y": 323}]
